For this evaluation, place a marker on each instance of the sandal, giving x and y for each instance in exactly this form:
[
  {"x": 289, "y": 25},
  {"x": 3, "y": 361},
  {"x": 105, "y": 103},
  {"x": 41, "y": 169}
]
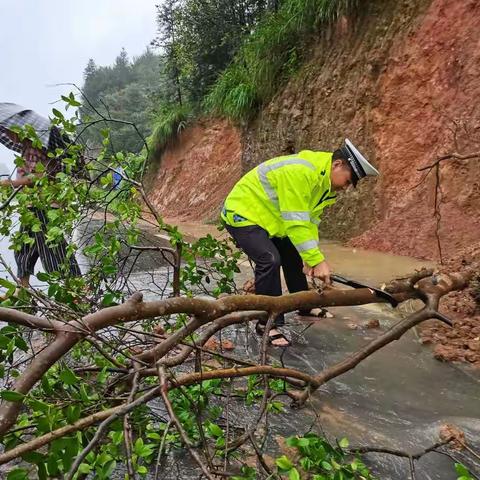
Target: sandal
[{"x": 260, "y": 330}]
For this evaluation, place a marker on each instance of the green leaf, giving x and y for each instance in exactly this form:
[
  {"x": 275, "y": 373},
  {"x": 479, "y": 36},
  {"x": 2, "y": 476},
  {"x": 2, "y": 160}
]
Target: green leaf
[
  {"x": 68, "y": 377},
  {"x": 109, "y": 468},
  {"x": 284, "y": 463},
  {"x": 461, "y": 469},
  {"x": 38, "y": 405},
  {"x": 73, "y": 413},
  {"x": 344, "y": 443},
  {"x": 18, "y": 474},
  {"x": 293, "y": 474},
  {"x": 42, "y": 471},
  {"x": 21, "y": 343},
  {"x": 142, "y": 470},
  {"x": 84, "y": 468},
  {"x": 57, "y": 113},
  {"x": 6, "y": 284},
  {"x": 292, "y": 441},
  {"x": 39, "y": 167},
  {"x": 84, "y": 393},
  {"x": 303, "y": 442},
  {"x": 4, "y": 341},
  {"x": 34, "y": 457},
  {"x": 326, "y": 466},
  {"x": 215, "y": 430},
  {"x": 12, "y": 396},
  {"x": 117, "y": 437},
  {"x": 138, "y": 447},
  {"x": 109, "y": 299}
]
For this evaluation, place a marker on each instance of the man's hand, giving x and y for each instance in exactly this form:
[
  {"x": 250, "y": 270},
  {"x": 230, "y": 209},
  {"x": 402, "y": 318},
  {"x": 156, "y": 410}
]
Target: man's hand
[
  {"x": 19, "y": 182},
  {"x": 321, "y": 271}
]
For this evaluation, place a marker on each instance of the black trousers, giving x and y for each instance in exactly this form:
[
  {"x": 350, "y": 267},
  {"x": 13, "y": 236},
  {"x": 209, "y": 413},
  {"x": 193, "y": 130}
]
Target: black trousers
[
  {"x": 269, "y": 254},
  {"x": 53, "y": 258}
]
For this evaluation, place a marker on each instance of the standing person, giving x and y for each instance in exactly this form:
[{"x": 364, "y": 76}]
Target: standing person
[
  {"x": 52, "y": 256},
  {"x": 273, "y": 212}
]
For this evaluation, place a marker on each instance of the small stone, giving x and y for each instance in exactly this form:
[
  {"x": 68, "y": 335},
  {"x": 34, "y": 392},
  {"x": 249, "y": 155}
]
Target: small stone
[
  {"x": 228, "y": 345},
  {"x": 212, "y": 344},
  {"x": 472, "y": 357},
  {"x": 158, "y": 329},
  {"x": 372, "y": 323},
  {"x": 445, "y": 353},
  {"x": 453, "y": 434}
]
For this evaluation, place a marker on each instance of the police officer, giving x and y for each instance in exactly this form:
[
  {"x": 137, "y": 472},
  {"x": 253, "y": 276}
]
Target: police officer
[{"x": 273, "y": 212}]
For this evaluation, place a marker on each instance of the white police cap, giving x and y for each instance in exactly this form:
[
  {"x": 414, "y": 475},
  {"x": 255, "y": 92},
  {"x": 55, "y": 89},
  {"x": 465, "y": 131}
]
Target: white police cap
[{"x": 360, "y": 165}]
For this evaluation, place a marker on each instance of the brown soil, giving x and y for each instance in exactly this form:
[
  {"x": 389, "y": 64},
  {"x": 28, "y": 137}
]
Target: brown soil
[
  {"x": 462, "y": 342},
  {"x": 197, "y": 172},
  {"x": 429, "y": 83},
  {"x": 395, "y": 81}
]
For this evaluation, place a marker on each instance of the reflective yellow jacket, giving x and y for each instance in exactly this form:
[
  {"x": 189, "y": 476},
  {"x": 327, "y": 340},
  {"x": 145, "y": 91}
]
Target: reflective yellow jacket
[{"x": 285, "y": 196}]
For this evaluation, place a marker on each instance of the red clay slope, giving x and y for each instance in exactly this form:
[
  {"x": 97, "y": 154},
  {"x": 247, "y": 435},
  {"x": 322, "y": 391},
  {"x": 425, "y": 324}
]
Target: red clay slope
[
  {"x": 197, "y": 172},
  {"x": 432, "y": 81}
]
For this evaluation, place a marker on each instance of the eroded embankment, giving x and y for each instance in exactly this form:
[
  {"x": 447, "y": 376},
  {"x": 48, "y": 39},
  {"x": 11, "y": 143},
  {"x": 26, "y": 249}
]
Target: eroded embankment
[{"x": 197, "y": 171}]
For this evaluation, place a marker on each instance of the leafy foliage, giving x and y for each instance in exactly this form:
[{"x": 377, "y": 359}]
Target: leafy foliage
[
  {"x": 200, "y": 37},
  {"x": 216, "y": 56},
  {"x": 316, "y": 459},
  {"x": 125, "y": 91},
  {"x": 270, "y": 55},
  {"x": 168, "y": 123}
]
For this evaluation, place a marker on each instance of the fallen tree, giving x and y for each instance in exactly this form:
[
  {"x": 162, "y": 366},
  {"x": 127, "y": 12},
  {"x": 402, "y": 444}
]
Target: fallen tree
[
  {"x": 206, "y": 317},
  {"x": 95, "y": 377}
]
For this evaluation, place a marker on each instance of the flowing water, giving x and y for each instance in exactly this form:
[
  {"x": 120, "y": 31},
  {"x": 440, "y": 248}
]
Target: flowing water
[{"x": 397, "y": 398}]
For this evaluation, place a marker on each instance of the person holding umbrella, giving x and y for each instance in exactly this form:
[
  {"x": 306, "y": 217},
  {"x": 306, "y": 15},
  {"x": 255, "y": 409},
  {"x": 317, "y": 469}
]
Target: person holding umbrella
[{"x": 52, "y": 256}]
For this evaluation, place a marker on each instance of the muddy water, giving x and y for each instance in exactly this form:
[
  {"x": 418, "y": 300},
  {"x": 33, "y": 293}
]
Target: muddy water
[{"x": 397, "y": 398}]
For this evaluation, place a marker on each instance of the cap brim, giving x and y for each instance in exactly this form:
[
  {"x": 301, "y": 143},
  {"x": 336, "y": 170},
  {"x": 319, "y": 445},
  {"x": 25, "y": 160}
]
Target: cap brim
[{"x": 367, "y": 167}]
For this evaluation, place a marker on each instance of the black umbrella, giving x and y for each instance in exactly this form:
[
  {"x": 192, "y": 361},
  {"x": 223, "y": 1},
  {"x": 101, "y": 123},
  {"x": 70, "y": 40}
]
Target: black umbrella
[{"x": 12, "y": 115}]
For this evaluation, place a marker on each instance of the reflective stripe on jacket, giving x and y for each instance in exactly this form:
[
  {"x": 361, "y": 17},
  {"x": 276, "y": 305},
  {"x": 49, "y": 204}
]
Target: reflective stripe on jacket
[{"x": 285, "y": 196}]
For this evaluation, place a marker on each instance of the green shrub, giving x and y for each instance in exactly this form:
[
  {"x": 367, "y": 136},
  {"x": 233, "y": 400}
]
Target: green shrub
[
  {"x": 169, "y": 122},
  {"x": 270, "y": 55}
]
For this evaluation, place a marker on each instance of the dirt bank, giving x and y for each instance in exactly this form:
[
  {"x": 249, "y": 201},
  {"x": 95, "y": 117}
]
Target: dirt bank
[
  {"x": 397, "y": 79},
  {"x": 197, "y": 171},
  {"x": 429, "y": 88},
  {"x": 462, "y": 342}
]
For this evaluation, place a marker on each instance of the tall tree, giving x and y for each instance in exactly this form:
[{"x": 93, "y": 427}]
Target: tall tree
[
  {"x": 199, "y": 38},
  {"x": 128, "y": 90},
  {"x": 90, "y": 69},
  {"x": 122, "y": 69},
  {"x": 168, "y": 41}
]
